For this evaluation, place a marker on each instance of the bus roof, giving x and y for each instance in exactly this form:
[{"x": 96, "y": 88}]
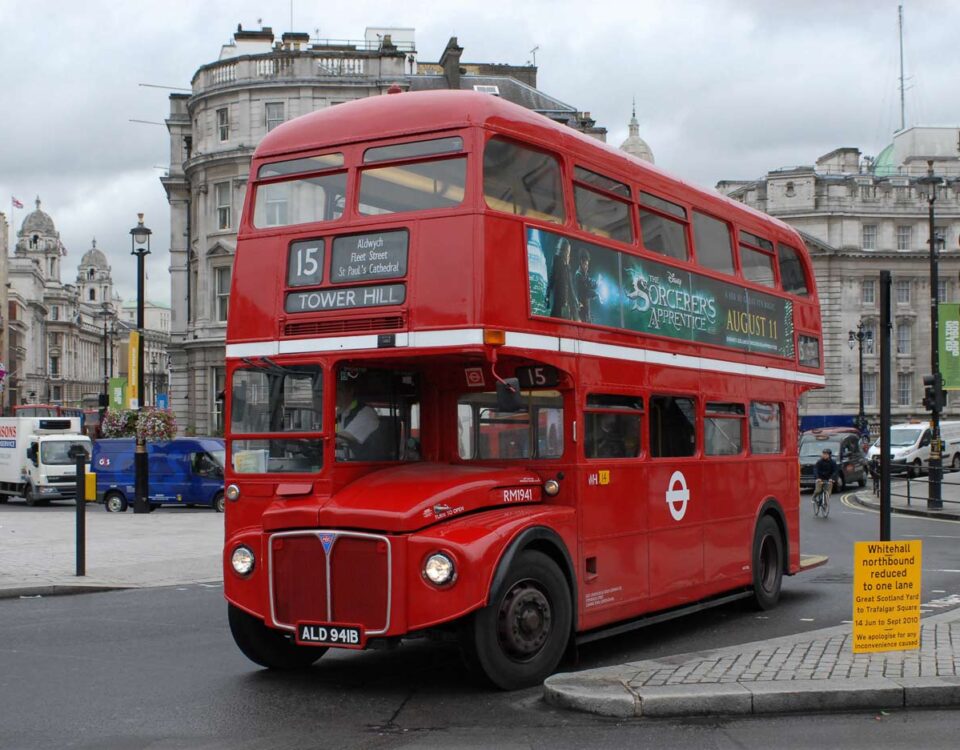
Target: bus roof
[{"x": 408, "y": 113}]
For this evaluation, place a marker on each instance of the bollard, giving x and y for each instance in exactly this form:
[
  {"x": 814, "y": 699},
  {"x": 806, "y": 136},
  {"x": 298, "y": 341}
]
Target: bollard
[{"x": 79, "y": 454}]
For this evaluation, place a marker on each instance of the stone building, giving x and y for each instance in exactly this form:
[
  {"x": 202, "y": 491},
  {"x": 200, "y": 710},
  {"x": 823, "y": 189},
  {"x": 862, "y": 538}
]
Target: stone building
[
  {"x": 57, "y": 352},
  {"x": 859, "y": 216},
  {"x": 257, "y": 83}
]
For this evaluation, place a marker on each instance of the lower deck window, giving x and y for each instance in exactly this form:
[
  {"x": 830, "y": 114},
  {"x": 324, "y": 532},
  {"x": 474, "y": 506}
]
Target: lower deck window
[
  {"x": 673, "y": 426},
  {"x": 612, "y": 426},
  {"x": 765, "y": 428},
  {"x": 269, "y": 456},
  {"x": 723, "y": 429},
  {"x": 535, "y": 432}
]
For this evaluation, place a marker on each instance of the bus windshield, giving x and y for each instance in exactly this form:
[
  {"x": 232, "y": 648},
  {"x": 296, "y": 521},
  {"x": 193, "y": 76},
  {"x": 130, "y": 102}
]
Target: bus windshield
[{"x": 277, "y": 400}]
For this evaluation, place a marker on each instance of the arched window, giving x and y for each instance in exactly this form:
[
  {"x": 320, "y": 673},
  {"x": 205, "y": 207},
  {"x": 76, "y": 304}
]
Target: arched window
[
  {"x": 93, "y": 295},
  {"x": 91, "y": 273}
]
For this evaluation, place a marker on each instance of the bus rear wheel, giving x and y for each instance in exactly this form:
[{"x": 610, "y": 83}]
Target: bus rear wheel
[
  {"x": 268, "y": 647},
  {"x": 768, "y": 556},
  {"x": 518, "y": 640}
]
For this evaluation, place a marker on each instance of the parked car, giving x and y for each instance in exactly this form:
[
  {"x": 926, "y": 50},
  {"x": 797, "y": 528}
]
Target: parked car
[
  {"x": 182, "y": 471},
  {"x": 844, "y": 442}
]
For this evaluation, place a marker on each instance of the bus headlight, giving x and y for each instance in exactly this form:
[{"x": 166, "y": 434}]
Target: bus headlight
[
  {"x": 232, "y": 492},
  {"x": 439, "y": 569},
  {"x": 243, "y": 560}
]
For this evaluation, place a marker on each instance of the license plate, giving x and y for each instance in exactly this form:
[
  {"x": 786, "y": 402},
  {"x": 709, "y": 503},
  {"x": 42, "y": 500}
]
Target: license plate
[{"x": 327, "y": 634}]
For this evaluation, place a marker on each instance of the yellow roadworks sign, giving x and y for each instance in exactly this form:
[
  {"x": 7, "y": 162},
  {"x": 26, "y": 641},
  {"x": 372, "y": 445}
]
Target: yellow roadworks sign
[{"x": 886, "y": 596}]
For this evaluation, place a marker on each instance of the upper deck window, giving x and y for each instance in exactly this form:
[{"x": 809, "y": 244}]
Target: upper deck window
[
  {"x": 519, "y": 180},
  {"x": 661, "y": 233},
  {"x": 756, "y": 259},
  {"x": 792, "y": 276},
  {"x": 300, "y": 166},
  {"x": 413, "y": 150},
  {"x": 712, "y": 240},
  {"x": 599, "y": 213},
  {"x": 300, "y": 201},
  {"x": 418, "y": 186}
]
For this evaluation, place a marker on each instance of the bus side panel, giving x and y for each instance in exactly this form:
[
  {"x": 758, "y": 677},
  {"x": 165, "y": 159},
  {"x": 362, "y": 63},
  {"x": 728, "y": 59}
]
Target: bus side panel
[
  {"x": 255, "y": 299},
  {"x": 441, "y": 288}
]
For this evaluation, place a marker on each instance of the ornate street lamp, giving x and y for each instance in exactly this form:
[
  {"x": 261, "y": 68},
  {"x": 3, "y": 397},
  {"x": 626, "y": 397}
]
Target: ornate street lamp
[
  {"x": 857, "y": 338},
  {"x": 140, "y": 247}
]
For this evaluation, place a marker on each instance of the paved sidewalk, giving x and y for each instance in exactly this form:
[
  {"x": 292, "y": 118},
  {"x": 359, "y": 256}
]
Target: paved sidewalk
[
  {"x": 167, "y": 547},
  {"x": 814, "y": 671}
]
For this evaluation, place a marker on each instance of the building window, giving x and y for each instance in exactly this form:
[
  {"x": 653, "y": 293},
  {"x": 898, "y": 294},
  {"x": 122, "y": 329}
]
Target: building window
[
  {"x": 943, "y": 289},
  {"x": 869, "y": 337},
  {"x": 57, "y": 393},
  {"x": 904, "y": 331},
  {"x": 869, "y": 389},
  {"x": 274, "y": 115},
  {"x": 223, "y": 124},
  {"x": 55, "y": 367},
  {"x": 791, "y": 190},
  {"x": 218, "y": 379},
  {"x": 869, "y": 236},
  {"x": 93, "y": 295},
  {"x": 904, "y": 237},
  {"x": 868, "y": 292},
  {"x": 904, "y": 389},
  {"x": 55, "y": 312},
  {"x": 222, "y": 196},
  {"x": 903, "y": 291},
  {"x": 221, "y": 284}
]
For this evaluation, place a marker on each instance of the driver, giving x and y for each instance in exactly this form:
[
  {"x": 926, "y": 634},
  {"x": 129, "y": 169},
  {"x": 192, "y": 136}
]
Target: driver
[
  {"x": 356, "y": 421},
  {"x": 826, "y": 470}
]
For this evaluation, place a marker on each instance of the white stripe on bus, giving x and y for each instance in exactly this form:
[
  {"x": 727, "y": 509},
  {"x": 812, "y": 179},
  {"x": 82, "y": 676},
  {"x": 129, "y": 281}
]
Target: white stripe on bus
[{"x": 518, "y": 340}]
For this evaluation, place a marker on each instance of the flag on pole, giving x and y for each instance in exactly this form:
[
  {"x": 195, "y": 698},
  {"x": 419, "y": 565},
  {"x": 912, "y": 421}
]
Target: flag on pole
[{"x": 15, "y": 202}]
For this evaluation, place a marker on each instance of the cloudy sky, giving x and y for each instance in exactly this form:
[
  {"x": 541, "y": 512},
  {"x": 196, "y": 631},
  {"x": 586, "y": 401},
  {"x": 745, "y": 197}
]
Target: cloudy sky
[{"x": 725, "y": 89}]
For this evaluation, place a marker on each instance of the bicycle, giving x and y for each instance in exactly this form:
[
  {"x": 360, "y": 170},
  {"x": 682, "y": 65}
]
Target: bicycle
[{"x": 821, "y": 506}]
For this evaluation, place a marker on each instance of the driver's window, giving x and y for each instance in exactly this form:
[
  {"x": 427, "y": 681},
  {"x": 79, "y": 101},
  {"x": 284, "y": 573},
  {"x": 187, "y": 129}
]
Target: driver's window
[{"x": 378, "y": 415}]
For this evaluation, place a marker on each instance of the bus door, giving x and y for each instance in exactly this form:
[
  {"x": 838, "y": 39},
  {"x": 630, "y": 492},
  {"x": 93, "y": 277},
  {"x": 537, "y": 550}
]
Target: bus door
[
  {"x": 612, "y": 486},
  {"x": 676, "y": 496}
]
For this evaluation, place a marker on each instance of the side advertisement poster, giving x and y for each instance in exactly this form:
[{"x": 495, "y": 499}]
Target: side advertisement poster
[{"x": 580, "y": 281}]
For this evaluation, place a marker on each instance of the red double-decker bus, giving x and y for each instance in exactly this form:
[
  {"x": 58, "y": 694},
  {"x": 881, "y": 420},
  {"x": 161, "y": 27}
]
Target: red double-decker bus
[{"x": 490, "y": 377}]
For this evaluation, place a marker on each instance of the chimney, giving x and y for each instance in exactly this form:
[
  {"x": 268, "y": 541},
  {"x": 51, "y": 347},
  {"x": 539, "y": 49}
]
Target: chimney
[{"x": 450, "y": 62}]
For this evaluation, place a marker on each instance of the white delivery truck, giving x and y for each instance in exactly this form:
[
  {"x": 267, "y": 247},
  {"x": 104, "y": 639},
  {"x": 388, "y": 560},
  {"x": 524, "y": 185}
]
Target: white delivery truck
[
  {"x": 35, "y": 461},
  {"x": 910, "y": 446}
]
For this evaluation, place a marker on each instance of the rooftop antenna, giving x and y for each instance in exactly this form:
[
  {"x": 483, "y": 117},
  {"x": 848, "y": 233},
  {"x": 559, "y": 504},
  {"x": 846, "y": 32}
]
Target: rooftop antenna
[
  {"x": 903, "y": 116},
  {"x": 534, "y": 53}
]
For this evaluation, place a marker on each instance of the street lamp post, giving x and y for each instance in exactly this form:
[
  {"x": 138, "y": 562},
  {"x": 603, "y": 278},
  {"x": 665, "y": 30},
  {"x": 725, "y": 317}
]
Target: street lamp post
[
  {"x": 857, "y": 337},
  {"x": 935, "y": 497},
  {"x": 140, "y": 247}
]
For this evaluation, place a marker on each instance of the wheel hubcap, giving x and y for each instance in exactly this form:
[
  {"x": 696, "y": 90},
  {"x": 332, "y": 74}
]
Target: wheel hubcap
[{"x": 524, "y": 621}]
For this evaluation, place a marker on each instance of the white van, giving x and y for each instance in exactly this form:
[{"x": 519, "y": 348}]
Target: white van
[{"x": 910, "y": 445}]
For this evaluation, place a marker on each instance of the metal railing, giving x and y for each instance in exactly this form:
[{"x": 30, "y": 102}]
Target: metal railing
[{"x": 912, "y": 486}]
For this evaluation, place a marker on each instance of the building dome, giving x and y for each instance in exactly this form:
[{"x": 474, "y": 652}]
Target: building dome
[
  {"x": 635, "y": 145},
  {"x": 38, "y": 222},
  {"x": 95, "y": 258}
]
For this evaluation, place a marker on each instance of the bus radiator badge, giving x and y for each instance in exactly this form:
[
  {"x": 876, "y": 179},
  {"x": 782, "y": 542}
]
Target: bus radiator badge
[
  {"x": 327, "y": 541},
  {"x": 677, "y": 492}
]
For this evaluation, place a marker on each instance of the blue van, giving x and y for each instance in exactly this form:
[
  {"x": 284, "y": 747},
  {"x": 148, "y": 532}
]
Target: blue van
[{"x": 182, "y": 471}]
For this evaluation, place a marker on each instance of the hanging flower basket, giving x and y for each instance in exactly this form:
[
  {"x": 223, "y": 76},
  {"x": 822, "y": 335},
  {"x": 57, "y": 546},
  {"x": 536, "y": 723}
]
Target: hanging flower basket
[{"x": 149, "y": 424}]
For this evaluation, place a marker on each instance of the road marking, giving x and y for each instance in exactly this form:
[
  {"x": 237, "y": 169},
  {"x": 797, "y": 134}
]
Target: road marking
[{"x": 807, "y": 619}]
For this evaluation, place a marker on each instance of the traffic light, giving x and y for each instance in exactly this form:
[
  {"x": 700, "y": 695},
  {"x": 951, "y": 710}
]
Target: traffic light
[{"x": 934, "y": 397}]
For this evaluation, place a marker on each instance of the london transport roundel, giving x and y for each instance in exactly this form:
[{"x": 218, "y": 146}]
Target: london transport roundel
[{"x": 677, "y": 495}]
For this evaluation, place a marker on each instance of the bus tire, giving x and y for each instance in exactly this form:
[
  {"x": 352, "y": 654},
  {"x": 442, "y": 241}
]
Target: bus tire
[
  {"x": 114, "y": 502},
  {"x": 218, "y": 502},
  {"x": 267, "y": 647},
  {"x": 768, "y": 561},
  {"x": 518, "y": 640}
]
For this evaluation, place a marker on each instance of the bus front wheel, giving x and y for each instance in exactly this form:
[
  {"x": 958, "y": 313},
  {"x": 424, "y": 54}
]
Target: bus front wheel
[
  {"x": 767, "y": 563},
  {"x": 268, "y": 647},
  {"x": 517, "y": 641}
]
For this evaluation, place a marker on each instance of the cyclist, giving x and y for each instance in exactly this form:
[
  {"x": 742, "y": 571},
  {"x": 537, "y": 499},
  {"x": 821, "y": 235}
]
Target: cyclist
[{"x": 825, "y": 471}]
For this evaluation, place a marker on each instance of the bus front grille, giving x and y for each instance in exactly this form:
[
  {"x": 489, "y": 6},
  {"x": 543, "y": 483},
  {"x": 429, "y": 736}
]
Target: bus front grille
[{"x": 330, "y": 576}]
